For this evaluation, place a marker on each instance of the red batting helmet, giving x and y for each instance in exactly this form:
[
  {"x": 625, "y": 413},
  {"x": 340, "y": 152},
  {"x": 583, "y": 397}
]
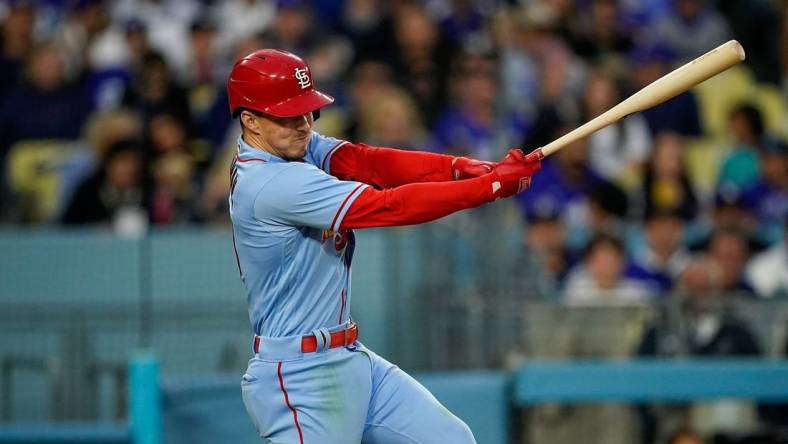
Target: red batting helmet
[{"x": 273, "y": 82}]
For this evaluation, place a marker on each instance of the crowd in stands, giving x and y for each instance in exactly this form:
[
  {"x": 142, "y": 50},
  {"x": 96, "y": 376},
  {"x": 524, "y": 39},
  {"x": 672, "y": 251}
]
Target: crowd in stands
[{"x": 114, "y": 113}]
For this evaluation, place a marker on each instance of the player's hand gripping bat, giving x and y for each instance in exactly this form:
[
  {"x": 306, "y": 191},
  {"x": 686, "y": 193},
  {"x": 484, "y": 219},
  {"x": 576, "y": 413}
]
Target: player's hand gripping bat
[{"x": 666, "y": 87}]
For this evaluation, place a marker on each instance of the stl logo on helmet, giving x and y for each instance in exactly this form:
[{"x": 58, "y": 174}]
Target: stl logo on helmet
[{"x": 303, "y": 78}]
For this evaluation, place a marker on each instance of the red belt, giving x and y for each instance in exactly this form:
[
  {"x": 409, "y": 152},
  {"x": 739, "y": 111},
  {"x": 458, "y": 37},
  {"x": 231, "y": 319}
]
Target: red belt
[{"x": 341, "y": 338}]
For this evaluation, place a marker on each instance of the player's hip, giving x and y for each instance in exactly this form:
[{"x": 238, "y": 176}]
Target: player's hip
[{"x": 327, "y": 391}]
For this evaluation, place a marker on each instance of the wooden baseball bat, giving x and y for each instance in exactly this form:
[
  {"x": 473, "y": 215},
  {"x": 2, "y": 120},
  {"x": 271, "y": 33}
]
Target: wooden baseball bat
[{"x": 666, "y": 87}]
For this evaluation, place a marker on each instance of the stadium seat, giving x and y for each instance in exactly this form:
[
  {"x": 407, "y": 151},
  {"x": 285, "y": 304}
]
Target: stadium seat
[
  {"x": 34, "y": 168},
  {"x": 718, "y": 95}
]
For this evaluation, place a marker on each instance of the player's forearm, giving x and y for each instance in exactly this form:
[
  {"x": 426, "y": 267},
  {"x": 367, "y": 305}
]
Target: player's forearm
[
  {"x": 417, "y": 203},
  {"x": 389, "y": 167}
]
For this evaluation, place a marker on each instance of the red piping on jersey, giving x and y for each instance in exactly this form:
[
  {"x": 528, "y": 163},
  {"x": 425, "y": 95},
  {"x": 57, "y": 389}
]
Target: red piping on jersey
[
  {"x": 251, "y": 159},
  {"x": 287, "y": 401},
  {"x": 342, "y": 308},
  {"x": 237, "y": 259},
  {"x": 330, "y": 152},
  {"x": 344, "y": 202}
]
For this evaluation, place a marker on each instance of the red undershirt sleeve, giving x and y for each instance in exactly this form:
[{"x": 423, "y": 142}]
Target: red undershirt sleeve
[
  {"x": 416, "y": 203},
  {"x": 388, "y": 167}
]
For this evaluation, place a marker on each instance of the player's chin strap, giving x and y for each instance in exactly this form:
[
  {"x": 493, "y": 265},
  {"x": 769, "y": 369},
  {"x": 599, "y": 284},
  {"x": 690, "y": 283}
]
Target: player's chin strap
[{"x": 323, "y": 337}]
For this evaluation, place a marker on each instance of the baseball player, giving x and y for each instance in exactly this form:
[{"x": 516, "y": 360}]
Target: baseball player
[{"x": 295, "y": 198}]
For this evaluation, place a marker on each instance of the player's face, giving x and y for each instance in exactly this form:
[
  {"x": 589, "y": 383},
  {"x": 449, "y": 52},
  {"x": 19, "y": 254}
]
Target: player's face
[{"x": 287, "y": 137}]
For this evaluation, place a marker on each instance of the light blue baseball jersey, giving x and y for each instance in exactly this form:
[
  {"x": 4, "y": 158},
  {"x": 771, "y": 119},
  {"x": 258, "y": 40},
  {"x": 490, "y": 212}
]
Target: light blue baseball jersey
[{"x": 294, "y": 260}]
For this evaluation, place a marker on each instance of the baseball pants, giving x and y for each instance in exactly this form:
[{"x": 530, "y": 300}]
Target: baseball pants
[{"x": 344, "y": 395}]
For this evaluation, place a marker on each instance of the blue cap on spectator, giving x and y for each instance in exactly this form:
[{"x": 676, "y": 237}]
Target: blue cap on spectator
[
  {"x": 773, "y": 145},
  {"x": 203, "y": 23},
  {"x": 14, "y": 4},
  {"x": 84, "y": 4},
  {"x": 729, "y": 195},
  {"x": 544, "y": 208},
  {"x": 652, "y": 52},
  {"x": 291, "y": 4},
  {"x": 134, "y": 25}
]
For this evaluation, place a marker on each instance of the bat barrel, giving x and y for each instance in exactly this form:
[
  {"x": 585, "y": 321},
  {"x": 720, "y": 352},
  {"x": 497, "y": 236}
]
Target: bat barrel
[{"x": 666, "y": 87}]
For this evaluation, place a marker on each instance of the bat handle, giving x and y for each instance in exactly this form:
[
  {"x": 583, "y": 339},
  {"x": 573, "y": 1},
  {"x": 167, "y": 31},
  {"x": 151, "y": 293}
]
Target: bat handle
[{"x": 535, "y": 155}]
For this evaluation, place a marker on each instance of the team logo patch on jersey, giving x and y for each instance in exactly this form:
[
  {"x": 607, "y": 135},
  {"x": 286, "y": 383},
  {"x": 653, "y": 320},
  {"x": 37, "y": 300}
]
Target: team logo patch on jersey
[
  {"x": 339, "y": 239},
  {"x": 303, "y": 78}
]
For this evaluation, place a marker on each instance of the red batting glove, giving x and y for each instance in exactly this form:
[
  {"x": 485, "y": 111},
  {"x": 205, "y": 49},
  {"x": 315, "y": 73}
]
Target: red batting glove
[
  {"x": 513, "y": 175},
  {"x": 465, "y": 168}
]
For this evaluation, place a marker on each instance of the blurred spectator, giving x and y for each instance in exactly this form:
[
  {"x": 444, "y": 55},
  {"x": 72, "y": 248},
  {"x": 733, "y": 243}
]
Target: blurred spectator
[
  {"x": 240, "y": 19},
  {"x": 784, "y": 48},
  {"x": 768, "y": 197},
  {"x": 203, "y": 65},
  {"x": 174, "y": 166},
  {"x": 545, "y": 250},
  {"x": 294, "y": 27},
  {"x": 557, "y": 104},
  {"x": 705, "y": 327},
  {"x": 368, "y": 80},
  {"x": 680, "y": 114},
  {"x": 768, "y": 271},
  {"x": 696, "y": 322},
  {"x": 685, "y": 436},
  {"x": 691, "y": 29},
  {"x": 391, "y": 118},
  {"x": 755, "y": 24},
  {"x": 45, "y": 105},
  {"x": 102, "y": 131},
  {"x": 463, "y": 20},
  {"x": 665, "y": 257},
  {"x": 601, "y": 34},
  {"x": 89, "y": 40},
  {"x": 368, "y": 24},
  {"x": 608, "y": 207},
  {"x": 600, "y": 279},
  {"x": 540, "y": 77},
  {"x": 740, "y": 167},
  {"x": 329, "y": 62},
  {"x": 666, "y": 185},
  {"x": 730, "y": 251},
  {"x": 731, "y": 212},
  {"x": 115, "y": 193},
  {"x": 472, "y": 125},
  {"x": 166, "y": 23},
  {"x": 205, "y": 76},
  {"x": 566, "y": 180},
  {"x": 137, "y": 44},
  {"x": 16, "y": 30},
  {"x": 419, "y": 54},
  {"x": 153, "y": 90},
  {"x": 618, "y": 152}
]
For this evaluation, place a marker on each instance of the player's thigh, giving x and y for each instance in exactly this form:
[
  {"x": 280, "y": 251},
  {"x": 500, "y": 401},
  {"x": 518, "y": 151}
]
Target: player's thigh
[
  {"x": 318, "y": 399},
  {"x": 402, "y": 411}
]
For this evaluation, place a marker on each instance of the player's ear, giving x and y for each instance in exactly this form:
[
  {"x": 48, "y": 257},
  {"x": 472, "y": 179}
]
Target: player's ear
[{"x": 250, "y": 122}]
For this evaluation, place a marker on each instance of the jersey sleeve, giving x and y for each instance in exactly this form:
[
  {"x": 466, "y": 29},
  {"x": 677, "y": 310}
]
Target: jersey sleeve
[
  {"x": 322, "y": 149},
  {"x": 302, "y": 195},
  {"x": 388, "y": 167}
]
